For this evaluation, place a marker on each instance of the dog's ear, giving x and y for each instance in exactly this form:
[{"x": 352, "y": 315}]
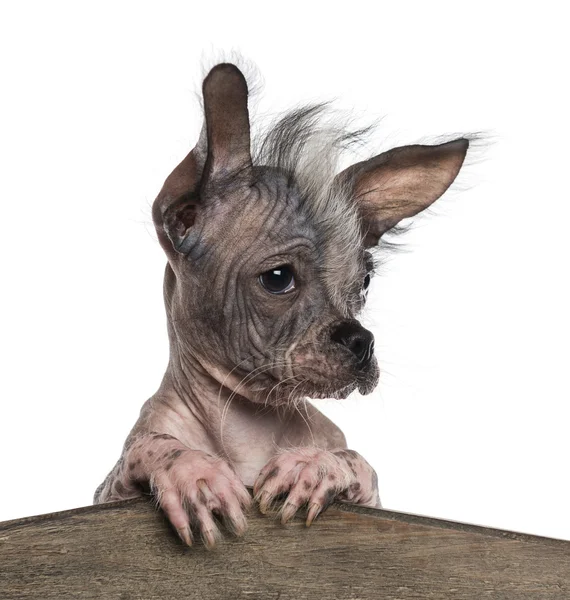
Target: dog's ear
[
  {"x": 174, "y": 209},
  {"x": 222, "y": 152},
  {"x": 227, "y": 124},
  {"x": 401, "y": 183}
]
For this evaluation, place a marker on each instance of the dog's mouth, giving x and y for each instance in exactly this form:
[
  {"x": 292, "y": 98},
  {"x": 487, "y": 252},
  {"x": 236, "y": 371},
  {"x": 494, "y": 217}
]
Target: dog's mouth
[
  {"x": 340, "y": 387},
  {"x": 317, "y": 383},
  {"x": 315, "y": 377}
]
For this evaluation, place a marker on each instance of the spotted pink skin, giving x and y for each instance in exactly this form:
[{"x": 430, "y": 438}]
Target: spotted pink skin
[
  {"x": 315, "y": 478},
  {"x": 193, "y": 485},
  {"x": 189, "y": 485}
]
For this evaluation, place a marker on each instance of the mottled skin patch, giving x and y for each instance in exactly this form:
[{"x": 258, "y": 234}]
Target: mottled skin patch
[
  {"x": 315, "y": 477},
  {"x": 273, "y": 473},
  {"x": 329, "y": 497},
  {"x": 119, "y": 488}
]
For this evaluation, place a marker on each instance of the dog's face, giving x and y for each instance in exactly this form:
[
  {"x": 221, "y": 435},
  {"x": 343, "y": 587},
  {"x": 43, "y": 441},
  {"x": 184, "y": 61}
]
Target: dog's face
[
  {"x": 268, "y": 268},
  {"x": 260, "y": 291}
]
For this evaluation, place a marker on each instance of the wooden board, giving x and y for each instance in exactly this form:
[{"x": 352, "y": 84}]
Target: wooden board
[{"x": 126, "y": 551}]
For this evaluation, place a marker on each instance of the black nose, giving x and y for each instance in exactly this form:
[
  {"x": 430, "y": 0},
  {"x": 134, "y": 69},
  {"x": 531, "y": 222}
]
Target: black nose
[{"x": 357, "y": 339}]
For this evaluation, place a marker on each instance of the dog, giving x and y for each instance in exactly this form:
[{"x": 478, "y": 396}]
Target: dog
[{"x": 270, "y": 254}]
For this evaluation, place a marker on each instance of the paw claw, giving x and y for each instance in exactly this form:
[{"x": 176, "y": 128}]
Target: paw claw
[
  {"x": 264, "y": 502},
  {"x": 289, "y": 510},
  {"x": 314, "y": 511},
  {"x": 209, "y": 539},
  {"x": 185, "y": 535},
  {"x": 239, "y": 526}
]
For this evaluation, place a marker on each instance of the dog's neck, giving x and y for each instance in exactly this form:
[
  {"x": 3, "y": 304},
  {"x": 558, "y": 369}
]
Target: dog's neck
[
  {"x": 193, "y": 406},
  {"x": 205, "y": 414}
]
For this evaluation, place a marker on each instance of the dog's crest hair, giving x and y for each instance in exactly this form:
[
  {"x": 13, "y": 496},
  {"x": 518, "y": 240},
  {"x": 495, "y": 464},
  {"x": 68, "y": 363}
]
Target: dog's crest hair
[{"x": 306, "y": 144}]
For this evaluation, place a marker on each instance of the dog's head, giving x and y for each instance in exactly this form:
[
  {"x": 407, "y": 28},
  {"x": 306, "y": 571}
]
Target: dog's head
[{"x": 269, "y": 255}]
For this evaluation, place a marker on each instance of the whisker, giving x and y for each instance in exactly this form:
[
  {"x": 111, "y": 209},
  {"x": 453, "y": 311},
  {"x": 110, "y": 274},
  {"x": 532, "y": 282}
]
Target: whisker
[
  {"x": 296, "y": 407},
  {"x": 276, "y": 386},
  {"x": 252, "y": 374}
]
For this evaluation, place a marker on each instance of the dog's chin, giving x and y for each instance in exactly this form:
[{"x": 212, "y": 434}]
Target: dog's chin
[
  {"x": 340, "y": 393},
  {"x": 363, "y": 381},
  {"x": 318, "y": 388},
  {"x": 320, "y": 393},
  {"x": 368, "y": 384}
]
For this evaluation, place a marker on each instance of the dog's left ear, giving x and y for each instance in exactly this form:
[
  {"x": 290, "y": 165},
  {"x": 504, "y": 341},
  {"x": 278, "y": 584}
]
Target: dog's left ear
[
  {"x": 223, "y": 150},
  {"x": 401, "y": 183}
]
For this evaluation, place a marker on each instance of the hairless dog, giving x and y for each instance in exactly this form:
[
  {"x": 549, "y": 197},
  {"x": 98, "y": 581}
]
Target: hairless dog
[{"x": 270, "y": 253}]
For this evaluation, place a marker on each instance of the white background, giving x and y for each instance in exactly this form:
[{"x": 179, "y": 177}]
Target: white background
[{"x": 470, "y": 421}]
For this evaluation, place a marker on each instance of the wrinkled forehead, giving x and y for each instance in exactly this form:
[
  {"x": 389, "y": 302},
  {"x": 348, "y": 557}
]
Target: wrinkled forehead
[{"x": 278, "y": 212}]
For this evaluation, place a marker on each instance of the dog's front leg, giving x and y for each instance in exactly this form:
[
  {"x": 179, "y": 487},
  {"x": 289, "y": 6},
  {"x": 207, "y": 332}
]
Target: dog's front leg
[
  {"x": 189, "y": 485},
  {"x": 316, "y": 478}
]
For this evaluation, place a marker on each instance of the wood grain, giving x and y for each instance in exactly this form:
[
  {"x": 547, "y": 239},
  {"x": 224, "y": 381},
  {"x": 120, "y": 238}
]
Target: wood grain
[{"x": 127, "y": 551}]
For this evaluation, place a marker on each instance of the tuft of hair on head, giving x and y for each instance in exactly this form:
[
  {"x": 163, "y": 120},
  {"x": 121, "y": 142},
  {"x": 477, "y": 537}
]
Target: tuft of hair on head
[{"x": 307, "y": 144}]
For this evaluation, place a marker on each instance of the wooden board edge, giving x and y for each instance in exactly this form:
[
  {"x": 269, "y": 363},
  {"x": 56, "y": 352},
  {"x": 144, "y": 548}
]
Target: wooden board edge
[{"x": 384, "y": 514}]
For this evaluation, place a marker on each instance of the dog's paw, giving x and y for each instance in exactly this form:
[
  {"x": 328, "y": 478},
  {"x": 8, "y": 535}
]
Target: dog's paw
[
  {"x": 192, "y": 488},
  {"x": 315, "y": 478}
]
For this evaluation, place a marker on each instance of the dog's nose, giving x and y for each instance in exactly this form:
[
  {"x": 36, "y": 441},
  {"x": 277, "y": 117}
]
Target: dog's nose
[{"x": 357, "y": 339}]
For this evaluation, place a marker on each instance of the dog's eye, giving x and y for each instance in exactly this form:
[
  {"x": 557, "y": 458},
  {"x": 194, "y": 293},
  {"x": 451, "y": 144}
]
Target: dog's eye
[
  {"x": 365, "y": 286},
  {"x": 279, "y": 280}
]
